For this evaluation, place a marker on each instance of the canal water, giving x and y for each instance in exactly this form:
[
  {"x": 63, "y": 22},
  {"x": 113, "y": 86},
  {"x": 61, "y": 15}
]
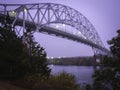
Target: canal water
[{"x": 83, "y": 74}]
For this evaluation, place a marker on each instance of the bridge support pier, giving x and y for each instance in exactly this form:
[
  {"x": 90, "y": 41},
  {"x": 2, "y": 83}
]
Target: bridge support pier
[{"x": 97, "y": 59}]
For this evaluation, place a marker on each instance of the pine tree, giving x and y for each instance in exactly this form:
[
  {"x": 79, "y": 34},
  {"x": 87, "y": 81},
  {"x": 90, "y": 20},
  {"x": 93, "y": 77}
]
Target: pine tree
[
  {"x": 11, "y": 52},
  {"x": 37, "y": 55},
  {"x": 18, "y": 58}
]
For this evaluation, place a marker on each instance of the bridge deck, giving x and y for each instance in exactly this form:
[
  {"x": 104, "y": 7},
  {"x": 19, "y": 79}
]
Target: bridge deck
[{"x": 49, "y": 30}]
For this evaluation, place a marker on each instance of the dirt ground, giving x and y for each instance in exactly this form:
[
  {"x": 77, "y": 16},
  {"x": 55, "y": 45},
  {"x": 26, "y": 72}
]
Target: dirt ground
[{"x": 8, "y": 86}]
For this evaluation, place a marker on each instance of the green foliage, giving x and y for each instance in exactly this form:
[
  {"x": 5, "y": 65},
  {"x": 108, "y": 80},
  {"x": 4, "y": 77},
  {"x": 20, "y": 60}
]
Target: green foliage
[
  {"x": 11, "y": 53},
  {"x": 37, "y": 56},
  {"x": 16, "y": 59},
  {"x": 62, "y": 81},
  {"x": 103, "y": 73},
  {"x": 115, "y": 45},
  {"x": 107, "y": 61},
  {"x": 88, "y": 87},
  {"x": 115, "y": 49},
  {"x": 85, "y": 61},
  {"x": 106, "y": 78}
]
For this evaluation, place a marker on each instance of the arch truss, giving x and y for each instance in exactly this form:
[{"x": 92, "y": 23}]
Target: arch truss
[{"x": 40, "y": 15}]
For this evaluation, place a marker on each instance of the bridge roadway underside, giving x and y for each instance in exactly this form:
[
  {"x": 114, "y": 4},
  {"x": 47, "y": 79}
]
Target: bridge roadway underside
[{"x": 53, "y": 31}]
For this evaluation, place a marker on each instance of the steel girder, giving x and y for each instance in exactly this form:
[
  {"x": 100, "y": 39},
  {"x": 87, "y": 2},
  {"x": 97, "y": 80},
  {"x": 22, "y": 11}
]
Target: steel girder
[{"x": 43, "y": 14}]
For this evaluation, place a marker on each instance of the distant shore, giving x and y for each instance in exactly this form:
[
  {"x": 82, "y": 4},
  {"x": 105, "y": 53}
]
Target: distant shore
[{"x": 79, "y": 61}]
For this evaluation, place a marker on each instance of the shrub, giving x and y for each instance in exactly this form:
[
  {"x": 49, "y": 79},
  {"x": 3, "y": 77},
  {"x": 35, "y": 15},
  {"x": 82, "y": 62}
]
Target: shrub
[{"x": 62, "y": 81}]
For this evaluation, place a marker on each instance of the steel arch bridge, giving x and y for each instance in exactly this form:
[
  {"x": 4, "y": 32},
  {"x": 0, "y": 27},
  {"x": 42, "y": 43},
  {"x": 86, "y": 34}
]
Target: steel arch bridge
[{"x": 40, "y": 16}]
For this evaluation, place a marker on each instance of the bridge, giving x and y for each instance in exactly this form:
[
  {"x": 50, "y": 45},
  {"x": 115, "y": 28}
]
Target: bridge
[{"x": 42, "y": 17}]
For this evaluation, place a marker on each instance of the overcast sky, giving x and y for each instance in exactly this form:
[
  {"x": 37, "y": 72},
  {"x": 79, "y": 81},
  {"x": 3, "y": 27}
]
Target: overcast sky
[{"x": 103, "y": 14}]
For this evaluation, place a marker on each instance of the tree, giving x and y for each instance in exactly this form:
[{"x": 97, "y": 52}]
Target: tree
[
  {"x": 18, "y": 58},
  {"x": 115, "y": 45},
  {"x": 115, "y": 49},
  {"x": 11, "y": 52},
  {"x": 108, "y": 78},
  {"x": 37, "y": 55}
]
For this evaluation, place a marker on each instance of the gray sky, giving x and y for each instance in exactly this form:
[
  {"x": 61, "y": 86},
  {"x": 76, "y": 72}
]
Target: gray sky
[{"x": 103, "y": 14}]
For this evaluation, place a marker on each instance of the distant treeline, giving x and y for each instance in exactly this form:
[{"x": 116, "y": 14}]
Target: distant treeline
[{"x": 86, "y": 61}]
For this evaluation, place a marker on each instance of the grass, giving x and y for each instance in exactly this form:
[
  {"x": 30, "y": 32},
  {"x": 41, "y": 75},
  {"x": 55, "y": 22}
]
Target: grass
[{"x": 61, "y": 81}]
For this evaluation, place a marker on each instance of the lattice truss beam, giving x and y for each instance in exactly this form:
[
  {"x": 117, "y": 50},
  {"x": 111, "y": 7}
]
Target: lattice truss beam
[{"x": 43, "y": 14}]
